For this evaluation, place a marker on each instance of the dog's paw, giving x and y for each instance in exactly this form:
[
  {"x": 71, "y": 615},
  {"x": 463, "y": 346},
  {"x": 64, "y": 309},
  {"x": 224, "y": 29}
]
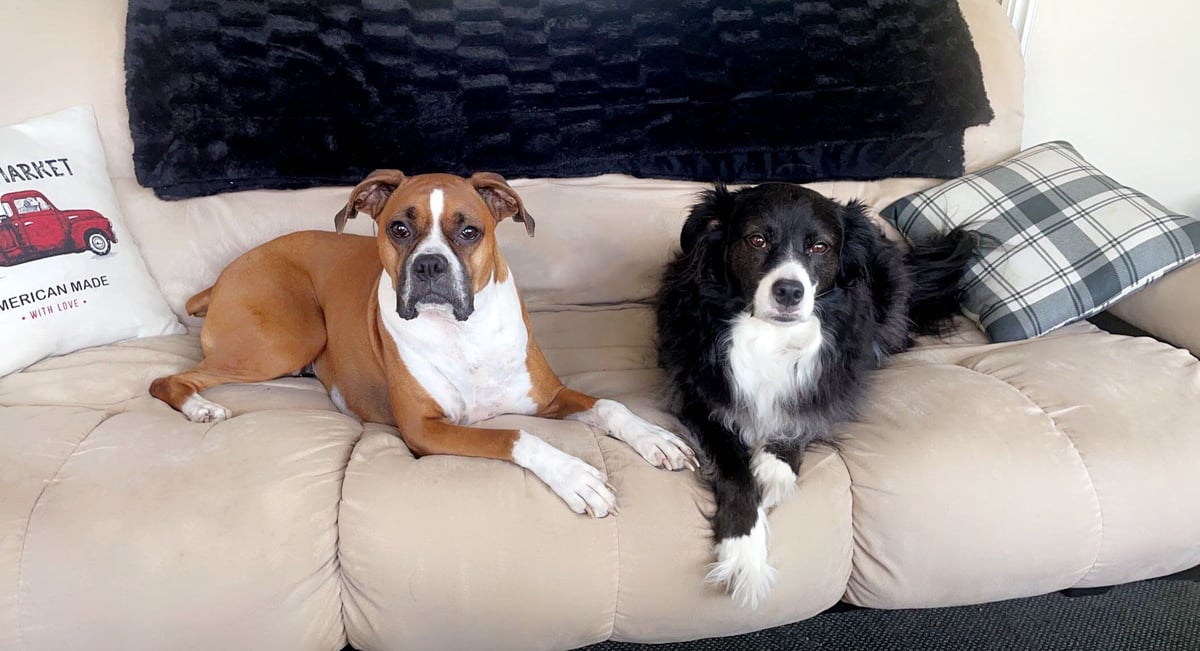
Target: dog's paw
[
  {"x": 774, "y": 478},
  {"x": 658, "y": 446},
  {"x": 199, "y": 409},
  {"x": 742, "y": 566},
  {"x": 584, "y": 488}
]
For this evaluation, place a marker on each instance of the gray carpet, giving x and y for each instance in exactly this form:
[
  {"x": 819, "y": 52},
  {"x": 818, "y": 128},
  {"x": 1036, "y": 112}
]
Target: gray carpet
[{"x": 1161, "y": 615}]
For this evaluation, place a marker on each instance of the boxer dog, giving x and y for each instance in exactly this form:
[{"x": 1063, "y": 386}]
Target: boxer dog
[{"x": 420, "y": 327}]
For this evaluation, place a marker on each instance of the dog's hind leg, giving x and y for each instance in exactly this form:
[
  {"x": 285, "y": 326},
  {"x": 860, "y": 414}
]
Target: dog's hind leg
[
  {"x": 740, "y": 520},
  {"x": 182, "y": 391},
  {"x": 253, "y": 332}
]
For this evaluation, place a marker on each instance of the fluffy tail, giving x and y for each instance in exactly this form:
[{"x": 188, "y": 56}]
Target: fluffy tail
[{"x": 937, "y": 266}]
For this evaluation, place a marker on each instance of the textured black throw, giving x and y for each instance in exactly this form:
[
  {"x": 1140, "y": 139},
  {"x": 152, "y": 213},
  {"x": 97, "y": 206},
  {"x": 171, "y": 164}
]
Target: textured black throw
[{"x": 240, "y": 94}]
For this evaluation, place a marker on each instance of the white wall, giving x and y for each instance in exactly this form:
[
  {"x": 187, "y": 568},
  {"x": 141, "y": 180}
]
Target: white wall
[{"x": 1120, "y": 79}]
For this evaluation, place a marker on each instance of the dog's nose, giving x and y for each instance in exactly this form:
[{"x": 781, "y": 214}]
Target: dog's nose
[
  {"x": 430, "y": 266},
  {"x": 787, "y": 292}
]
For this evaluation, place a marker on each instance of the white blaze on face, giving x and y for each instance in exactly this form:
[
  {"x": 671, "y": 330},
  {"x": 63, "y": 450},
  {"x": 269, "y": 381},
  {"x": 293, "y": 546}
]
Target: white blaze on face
[
  {"x": 765, "y": 306},
  {"x": 437, "y": 203},
  {"x": 435, "y": 243}
]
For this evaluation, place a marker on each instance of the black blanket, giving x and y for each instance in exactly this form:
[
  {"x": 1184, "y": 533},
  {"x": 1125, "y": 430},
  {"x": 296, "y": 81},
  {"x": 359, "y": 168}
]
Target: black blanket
[{"x": 240, "y": 94}]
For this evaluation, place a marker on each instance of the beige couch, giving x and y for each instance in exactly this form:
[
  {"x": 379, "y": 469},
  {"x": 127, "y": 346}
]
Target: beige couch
[{"x": 978, "y": 472}]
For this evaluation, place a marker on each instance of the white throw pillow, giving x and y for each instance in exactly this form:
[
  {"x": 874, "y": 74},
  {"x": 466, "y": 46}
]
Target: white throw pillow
[{"x": 70, "y": 274}]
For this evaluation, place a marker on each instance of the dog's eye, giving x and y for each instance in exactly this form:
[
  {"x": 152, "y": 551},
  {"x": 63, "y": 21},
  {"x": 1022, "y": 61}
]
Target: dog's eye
[
  {"x": 756, "y": 240},
  {"x": 399, "y": 230},
  {"x": 469, "y": 233},
  {"x": 818, "y": 248}
]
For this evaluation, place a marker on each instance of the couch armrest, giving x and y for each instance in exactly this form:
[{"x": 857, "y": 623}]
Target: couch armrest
[{"x": 1168, "y": 309}]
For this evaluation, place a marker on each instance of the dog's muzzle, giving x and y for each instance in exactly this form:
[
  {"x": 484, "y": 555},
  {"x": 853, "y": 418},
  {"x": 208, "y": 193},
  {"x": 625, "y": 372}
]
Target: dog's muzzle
[
  {"x": 430, "y": 279},
  {"x": 784, "y": 295}
]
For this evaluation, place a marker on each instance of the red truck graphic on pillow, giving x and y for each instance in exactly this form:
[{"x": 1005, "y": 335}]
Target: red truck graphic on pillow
[{"x": 32, "y": 228}]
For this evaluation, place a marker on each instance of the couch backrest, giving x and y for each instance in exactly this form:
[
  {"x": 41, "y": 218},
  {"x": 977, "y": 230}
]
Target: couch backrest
[{"x": 600, "y": 240}]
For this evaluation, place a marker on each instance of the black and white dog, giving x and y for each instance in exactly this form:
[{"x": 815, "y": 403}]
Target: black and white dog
[{"x": 769, "y": 320}]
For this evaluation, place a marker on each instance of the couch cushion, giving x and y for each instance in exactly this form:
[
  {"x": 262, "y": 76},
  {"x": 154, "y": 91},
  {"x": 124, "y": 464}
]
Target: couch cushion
[
  {"x": 469, "y": 553},
  {"x": 991, "y": 472},
  {"x": 35, "y": 444},
  {"x": 143, "y": 530},
  {"x": 451, "y": 552},
  {"x": 666, "y": 540},
  {"x": 977, "y": 472}
]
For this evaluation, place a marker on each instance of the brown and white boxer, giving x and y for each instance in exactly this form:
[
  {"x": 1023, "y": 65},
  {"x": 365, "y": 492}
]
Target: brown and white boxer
[{"x": 420, "y": 327}]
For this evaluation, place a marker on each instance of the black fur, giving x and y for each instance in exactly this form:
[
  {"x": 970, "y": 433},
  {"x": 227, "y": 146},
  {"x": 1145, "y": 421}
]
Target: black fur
[
  {"x": 243, "y": 94},
  {"x": 871, "y": 298}
]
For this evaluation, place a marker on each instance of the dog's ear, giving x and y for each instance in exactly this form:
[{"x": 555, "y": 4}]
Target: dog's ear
[
  {"x": 860, "y": 239},
  {"x": 369, "y": 196},
  {"x": 708, "y": 218},
  {"x": 501, "y": 199}
]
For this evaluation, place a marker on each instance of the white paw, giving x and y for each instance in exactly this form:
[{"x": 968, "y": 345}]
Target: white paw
[
  {"x": 656, "y": 445},
  {"x": 582, "y": 487},
  {"x": 774, "y": 478},
  {"x": 742, "y": 566},
  {"x": 199, "y": 409}
]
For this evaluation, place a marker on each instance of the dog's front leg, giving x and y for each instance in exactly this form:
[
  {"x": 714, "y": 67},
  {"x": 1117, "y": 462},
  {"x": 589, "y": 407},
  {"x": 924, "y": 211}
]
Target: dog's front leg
[
  {"x": 776, "y": 468},
  {"x": 584, "y": 488},
  {"x": 740, "y": 520},
  {"x": 656, "y": 445}
]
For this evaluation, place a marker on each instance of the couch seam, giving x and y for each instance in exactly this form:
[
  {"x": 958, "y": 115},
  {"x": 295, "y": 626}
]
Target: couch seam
[
  {"x": 837, "y": 452},
  {"x": 1074, "y": 448},
  {"x": 337, "y": 543},
  {"x": 29, "y": 522},
  {"x": 616, "y": 518}
]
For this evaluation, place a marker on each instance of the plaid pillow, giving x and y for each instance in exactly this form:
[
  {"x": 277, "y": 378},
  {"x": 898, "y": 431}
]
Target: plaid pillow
[{"x": 1070, "y": 241}]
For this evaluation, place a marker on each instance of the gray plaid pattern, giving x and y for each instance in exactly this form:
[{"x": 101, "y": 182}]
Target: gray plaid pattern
[{"x": 1070, "y": 241}]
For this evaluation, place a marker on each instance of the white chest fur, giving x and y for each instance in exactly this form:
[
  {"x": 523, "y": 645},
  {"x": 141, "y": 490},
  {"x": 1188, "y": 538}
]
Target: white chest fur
[
  {"x": 769, "y": 365},
  {"x": 474, "y": 369}
]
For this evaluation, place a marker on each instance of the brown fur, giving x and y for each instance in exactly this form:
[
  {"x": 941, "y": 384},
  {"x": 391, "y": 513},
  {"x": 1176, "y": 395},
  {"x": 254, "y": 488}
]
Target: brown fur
[{"x": 311, "y": 298}]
